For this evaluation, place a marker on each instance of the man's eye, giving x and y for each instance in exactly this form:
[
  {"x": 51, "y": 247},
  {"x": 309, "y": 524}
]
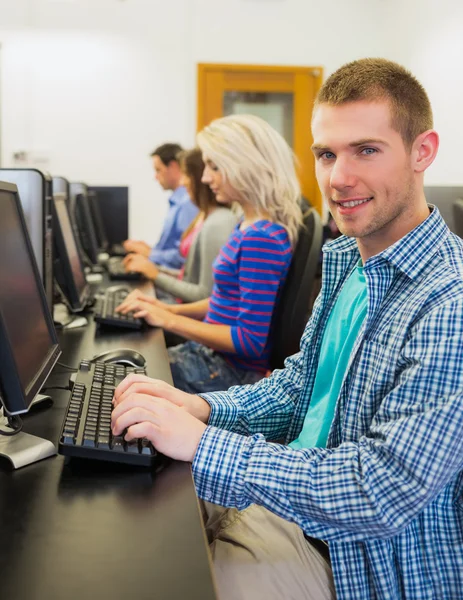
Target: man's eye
[
  {"x": 326, "y": 156},
  {"x": 369, "y": 151}
]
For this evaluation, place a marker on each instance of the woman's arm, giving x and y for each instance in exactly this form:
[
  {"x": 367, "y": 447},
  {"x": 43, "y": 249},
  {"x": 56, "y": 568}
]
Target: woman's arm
[
  {"x": 217, "y": 337},
  {"x": 193, "y": 310},
  {"x": 198, "y": 279}
]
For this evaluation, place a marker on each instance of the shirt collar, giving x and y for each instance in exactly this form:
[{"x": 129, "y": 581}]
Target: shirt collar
[
  {"x": 411, "y": 253},
  {"x": 177, "y": 195}
]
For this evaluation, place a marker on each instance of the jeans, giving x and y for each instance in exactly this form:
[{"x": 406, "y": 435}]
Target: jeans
[{"x": 197, "y": 368}]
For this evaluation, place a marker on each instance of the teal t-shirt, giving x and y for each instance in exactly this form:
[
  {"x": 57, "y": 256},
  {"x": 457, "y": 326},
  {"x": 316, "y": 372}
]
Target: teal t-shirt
[{"x": 341, "y": 331}]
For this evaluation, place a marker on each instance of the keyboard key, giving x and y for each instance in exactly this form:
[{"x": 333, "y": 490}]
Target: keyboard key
[
  {"x": 117, "y": 444},
  {"x": 133, "y": 447},
  {"x": 146, "y": 447},
  {"x": 103, "y": 442}
]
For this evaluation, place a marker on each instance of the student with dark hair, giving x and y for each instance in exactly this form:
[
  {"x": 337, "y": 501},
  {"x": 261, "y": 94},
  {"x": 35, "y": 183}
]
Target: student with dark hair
[
  {"x": 179, "y": 216},
  {"x": 200, "y": 243},
  {"x": 365, "y": 499}
]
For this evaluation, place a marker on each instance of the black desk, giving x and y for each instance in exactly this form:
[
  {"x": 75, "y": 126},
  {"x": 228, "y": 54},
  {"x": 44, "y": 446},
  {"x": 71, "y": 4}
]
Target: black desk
[{"x": 89, "y": 530}]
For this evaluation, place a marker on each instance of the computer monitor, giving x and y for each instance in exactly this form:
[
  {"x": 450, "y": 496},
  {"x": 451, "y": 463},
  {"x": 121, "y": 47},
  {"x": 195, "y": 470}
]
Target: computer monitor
[
  {"x": 114, "y": 207},
  {"x": 80, "y": 208},
  {"x": 98, "y": 223},
  {"x": 68, "y": 267},
  {"x": 444, "y": 197},
  {"x": 35, "y": 193},
  {"x": 60, "y": 185},
  {"x": 28, "y": 343}
]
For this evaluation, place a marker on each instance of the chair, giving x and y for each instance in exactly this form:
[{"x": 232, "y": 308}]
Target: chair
[
  {"x": 294, "y": 303},
  {"x": 458, "y": 216}
]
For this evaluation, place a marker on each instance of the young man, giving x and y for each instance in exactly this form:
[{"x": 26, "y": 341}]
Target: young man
[
  {"x": 180, "y": 214},
  {"x": 371, "y": 407}
]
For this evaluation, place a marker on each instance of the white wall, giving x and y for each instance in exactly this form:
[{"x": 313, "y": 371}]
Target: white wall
[
  {"x": 90, "y": 87},
  {"x": 431, "y": 34}
]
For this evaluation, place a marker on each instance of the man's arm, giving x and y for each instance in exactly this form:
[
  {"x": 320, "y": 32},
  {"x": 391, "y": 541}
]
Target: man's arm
[
  {"x": 266, "y": 407},
  {"x": 368, "y": 488},
  {"x": 137, "y": 247},
  {"x": 168, "y": 257}
]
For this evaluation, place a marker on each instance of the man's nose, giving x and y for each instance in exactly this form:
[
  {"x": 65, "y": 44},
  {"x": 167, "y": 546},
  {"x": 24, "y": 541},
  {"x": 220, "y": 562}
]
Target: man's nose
[{"x": 342, "y": 174}]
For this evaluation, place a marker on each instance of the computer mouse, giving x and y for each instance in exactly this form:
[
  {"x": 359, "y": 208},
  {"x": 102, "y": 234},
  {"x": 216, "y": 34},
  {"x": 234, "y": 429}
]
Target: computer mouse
[{"x": 124, "y": 356}]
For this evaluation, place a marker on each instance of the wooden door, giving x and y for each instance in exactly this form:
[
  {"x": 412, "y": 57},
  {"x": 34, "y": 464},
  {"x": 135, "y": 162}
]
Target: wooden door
[{"x": 283, "y": 96}]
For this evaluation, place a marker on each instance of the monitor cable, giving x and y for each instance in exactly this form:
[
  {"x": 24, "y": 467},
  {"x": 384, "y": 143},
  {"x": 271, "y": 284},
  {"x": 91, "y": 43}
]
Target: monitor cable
[
  {"x": 56, "y": 387},
  {"x": 75, "y": 369},
  {"x": 15, "y": 423}
]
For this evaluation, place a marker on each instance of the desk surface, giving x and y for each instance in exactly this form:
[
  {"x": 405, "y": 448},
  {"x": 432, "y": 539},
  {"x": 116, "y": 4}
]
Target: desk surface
[{"x": 85, "y": 529}]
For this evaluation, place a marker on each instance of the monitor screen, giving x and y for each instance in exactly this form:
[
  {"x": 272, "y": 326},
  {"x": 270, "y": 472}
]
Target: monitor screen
[
  {"x": 69, "y": 270},
  {"x": 83, "y": 217},
  {"x": 32, "y": 187},
  {"x": 114, "y": 207},
  {"x": 100, "y": 228},
  {"x": 28, "y": 343}
]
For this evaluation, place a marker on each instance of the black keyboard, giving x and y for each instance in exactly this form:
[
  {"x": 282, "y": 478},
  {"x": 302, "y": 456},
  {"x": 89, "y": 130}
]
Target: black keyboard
[
  {"x": 105, "y": 310},
  {"x": 118, "y": 250},
  {"x": 116, "y": 271},
  {"x": 86, "y": 431}
]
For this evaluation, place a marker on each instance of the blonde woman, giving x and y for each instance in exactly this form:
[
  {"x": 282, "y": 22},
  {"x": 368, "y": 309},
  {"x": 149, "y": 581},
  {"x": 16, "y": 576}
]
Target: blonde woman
[
  {"x": 200, "y": 243},
  {"x": 249, "y": 163}
]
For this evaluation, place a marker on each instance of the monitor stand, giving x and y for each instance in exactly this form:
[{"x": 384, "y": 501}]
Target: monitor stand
[
  {"x": 22, "y": 448},
  {"x": 63, "y": 318}
]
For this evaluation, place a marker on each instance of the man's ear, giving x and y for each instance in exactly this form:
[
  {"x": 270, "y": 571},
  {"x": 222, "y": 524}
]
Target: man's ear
[{"x": 424, "y": 150}]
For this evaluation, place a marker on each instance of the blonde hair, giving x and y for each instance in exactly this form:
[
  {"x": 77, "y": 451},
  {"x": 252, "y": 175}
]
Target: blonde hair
[
  {"x": 258, "y": 164},
  {"x": 375, "y": 79}
]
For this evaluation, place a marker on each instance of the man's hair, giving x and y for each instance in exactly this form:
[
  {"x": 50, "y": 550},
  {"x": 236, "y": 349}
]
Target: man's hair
[
  {"x": 376, "y": 79},
  {"x": 167, "y": 152}
]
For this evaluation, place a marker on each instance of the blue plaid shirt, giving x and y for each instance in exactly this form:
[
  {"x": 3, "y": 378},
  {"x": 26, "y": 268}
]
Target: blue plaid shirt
[{"x": 387, "y": 491}]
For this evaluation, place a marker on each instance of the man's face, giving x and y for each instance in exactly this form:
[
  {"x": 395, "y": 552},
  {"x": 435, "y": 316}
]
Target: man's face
[
  {"x": 364, "y": 171},
  {"x": 162, "y": 173}
]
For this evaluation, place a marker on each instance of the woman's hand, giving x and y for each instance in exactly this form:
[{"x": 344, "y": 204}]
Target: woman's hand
[
  {"x": 154, "y": 315},
  {"x": 138, "y": 295},
  {"x": 141, "y": 264}
]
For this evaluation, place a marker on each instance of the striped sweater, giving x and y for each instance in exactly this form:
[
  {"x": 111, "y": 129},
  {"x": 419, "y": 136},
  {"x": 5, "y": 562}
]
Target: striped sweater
[{"x": 248, "y": 273}]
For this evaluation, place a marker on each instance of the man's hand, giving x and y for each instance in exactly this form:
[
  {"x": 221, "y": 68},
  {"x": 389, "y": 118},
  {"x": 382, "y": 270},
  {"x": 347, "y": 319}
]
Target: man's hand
[
  {"x": 155, "y": 410},
  {"x": 170, "y": 428},
  {"x": 137, "y": 247},
  {"x": 140, "y": 264},
  {"x": 140, "y": 384}
]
